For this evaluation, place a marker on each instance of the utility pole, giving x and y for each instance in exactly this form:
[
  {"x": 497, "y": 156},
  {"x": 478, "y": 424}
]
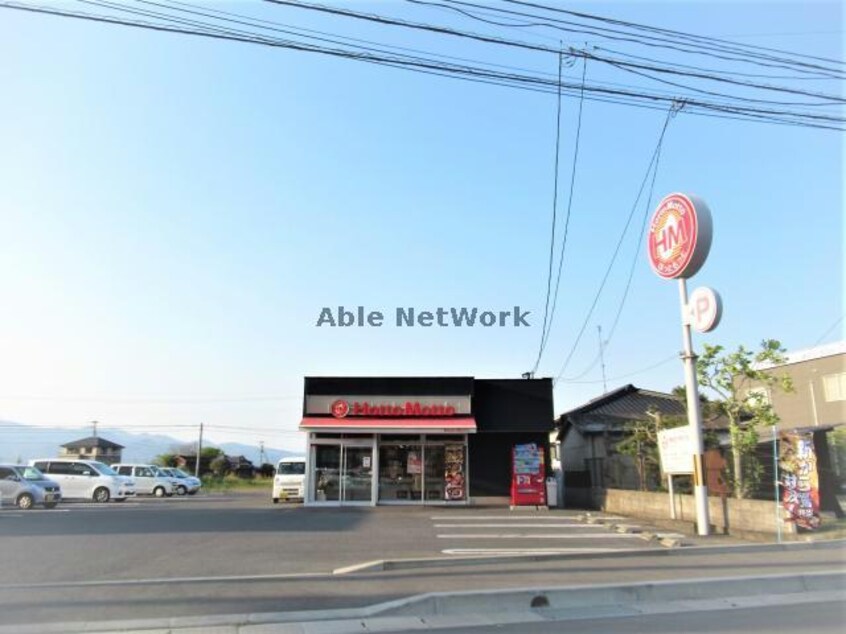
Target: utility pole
[
  {"x": 94, "y": 428},
  {"x": 602, "y": 360},
  {"x": 199, "y": 453},
  {"x": 262, "y": 458}
]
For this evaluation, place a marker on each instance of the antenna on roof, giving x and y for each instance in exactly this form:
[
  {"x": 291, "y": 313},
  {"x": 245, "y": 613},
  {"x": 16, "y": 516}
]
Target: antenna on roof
[{"x": 94, "y": 427}]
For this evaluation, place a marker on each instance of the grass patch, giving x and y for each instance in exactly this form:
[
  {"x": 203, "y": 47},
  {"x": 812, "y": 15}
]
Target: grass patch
[{"x": 217, "y": 484}]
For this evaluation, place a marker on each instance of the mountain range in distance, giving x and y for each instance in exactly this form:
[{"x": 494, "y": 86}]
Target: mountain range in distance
[{"x": 20, "y": 443}]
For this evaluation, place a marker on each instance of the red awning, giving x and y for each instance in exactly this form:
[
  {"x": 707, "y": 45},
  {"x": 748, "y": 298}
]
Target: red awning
[{"x": 466, "y": 424}]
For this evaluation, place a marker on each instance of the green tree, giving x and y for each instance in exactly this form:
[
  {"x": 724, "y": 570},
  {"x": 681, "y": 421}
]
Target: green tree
[
  {"x": 165, "y": 460},
  {"x": 641, "y": 444},
  {"x": 744, "y": 384},
  {"x": 219, "y": 465}
]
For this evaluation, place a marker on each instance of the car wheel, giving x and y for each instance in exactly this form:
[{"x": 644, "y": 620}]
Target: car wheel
[
  {"x": 181, "y": 490},
  {"x": 102, "y": 495},
  {"x": 25, "y": 501},
  {"x": 159, "y": 492},
  {"x": 50, "y": 505}
]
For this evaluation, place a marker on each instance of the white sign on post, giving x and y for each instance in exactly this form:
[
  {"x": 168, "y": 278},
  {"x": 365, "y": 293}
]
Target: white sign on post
[{"x": 675, "y": 450}]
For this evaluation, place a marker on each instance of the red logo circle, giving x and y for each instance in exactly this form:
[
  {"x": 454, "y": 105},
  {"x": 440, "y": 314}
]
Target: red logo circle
[
  {"x": 673, "y": 234},
  {"x": 340, "y": 408}
]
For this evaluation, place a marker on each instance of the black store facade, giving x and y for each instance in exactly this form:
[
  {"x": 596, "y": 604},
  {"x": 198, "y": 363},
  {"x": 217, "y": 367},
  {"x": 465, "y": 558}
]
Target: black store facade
[{"x": 418, "y": 440}]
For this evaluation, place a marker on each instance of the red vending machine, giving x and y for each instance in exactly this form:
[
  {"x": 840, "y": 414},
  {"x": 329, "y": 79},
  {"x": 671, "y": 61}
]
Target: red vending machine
[{"x": 528, "y": 476}]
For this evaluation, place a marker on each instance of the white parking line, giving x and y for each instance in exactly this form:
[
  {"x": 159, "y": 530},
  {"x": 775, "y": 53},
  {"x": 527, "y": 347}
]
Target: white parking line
[
  {"x": 564, "y": 526},
  {"x": 32, "y": 511},
  {"x": 529, "y": 551},
  {"x": 517, "y": 516},
  {"x": 538, "y": 536}
]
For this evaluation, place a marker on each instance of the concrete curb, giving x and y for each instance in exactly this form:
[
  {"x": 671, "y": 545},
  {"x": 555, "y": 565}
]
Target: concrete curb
[
  {"x": 381, "y": 565},
  {"x": 486, "y": 608}
]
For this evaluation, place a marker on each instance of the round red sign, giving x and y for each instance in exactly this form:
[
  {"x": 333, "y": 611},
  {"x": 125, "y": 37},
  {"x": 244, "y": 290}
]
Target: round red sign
[
  {"x": 679, "y": 236},
  {"x": 340, "y": 408}
]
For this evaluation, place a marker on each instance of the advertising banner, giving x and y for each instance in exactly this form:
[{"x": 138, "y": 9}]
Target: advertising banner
[
  {"x": 799, "y": 480},
  {"x": 454, "y": 472}
]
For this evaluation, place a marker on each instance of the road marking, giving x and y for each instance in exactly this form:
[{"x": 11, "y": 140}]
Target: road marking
[
  {"x": 518, "y": 516},
  {"x": 32, "y": 511},
  {"x": 566, "y": 526},
  {"x": 530, "y": 551},
  {"x": 166, "y": 581},
  {"x": 101, "y": 505},
  {"x": 538, "y": 536}
]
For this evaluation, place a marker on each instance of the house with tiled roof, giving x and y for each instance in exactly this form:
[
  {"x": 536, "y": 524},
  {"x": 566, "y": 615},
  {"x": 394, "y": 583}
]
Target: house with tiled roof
[
  {"x": 92, "y": 448},
  {"x": 588, "y": 434}
]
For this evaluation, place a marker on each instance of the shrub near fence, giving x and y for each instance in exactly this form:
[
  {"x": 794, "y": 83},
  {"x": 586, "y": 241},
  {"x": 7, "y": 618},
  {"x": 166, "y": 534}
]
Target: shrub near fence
[{"x": 728, "y": 515}]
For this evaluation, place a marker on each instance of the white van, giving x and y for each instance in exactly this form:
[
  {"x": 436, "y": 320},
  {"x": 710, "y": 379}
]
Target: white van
[
  {"x": 148, "y": 479},
  {"x": 85, "y": 479},
  {"x": 289, "y": 481}
]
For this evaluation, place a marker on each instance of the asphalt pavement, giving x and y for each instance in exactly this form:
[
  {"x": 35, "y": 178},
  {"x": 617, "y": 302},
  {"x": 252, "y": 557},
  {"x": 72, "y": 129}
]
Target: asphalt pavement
[{"x": 200, "y": 556}]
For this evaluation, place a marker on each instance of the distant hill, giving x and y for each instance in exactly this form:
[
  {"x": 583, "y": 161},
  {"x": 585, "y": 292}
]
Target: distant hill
[{"x": 27, "y": 442}]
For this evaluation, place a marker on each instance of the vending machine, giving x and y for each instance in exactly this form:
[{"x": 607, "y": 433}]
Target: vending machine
[{"x": 528, "y": 476}]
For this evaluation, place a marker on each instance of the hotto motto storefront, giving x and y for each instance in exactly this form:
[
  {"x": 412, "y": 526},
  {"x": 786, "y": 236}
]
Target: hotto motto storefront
[{"x": 418, "y": 440}]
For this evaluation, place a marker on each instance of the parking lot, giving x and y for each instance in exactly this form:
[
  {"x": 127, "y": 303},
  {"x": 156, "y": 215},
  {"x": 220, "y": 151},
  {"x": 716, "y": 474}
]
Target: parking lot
[{"x": 220, "y": 535}]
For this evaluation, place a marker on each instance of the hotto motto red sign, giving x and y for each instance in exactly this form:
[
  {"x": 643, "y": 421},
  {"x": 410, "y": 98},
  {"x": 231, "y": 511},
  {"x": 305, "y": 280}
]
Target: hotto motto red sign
[
  {"x": 341, "y": 408},
  {"x": 679, "y": 236}
]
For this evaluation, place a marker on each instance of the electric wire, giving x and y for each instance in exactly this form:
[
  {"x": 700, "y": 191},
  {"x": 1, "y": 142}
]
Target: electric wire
[
  {"x": 575, "y": 162},
  {"x": 616, "y": 252},
  {"x": 510, "y": 80},
  {"x": 554, "y": 216}
]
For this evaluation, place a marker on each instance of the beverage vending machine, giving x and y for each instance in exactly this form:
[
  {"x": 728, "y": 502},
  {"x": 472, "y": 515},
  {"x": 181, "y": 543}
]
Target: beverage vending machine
[{"x": 528, "y": 476}]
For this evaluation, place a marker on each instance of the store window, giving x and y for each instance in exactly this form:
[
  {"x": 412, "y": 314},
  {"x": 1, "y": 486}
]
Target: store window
[
  {"x": 426, "y": 471},
  {"x": 401, "y": 472}
]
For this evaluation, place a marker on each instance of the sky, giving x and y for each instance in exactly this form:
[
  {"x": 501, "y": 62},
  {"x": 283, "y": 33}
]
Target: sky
[{"x": 177, "y": 211}]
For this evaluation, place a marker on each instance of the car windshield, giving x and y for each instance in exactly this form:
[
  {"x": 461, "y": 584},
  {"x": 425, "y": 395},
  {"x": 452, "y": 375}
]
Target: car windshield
[
  {"x": 291, "y": 468},
  {"x": 104, "y": 469},
  {"x": 30, "y": 473}
]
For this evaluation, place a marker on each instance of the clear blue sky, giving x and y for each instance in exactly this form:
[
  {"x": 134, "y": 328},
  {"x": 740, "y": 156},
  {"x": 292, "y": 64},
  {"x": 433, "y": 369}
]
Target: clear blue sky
[{"x": 176, "y": 211}]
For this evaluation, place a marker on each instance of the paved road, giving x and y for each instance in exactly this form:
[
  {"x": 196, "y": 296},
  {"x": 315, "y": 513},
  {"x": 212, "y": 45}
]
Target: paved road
[
  {"x": 820, "y": 618},
  {"x": 216, "y": 539}
]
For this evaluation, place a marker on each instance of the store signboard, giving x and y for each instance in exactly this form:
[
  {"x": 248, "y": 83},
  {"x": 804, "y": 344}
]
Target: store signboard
[
  {"x": 347, "y": 405},
  {"x": 679, "y": 237},
  {"x": 799, "y": 479},
  {"x": 675, "y": 450}
]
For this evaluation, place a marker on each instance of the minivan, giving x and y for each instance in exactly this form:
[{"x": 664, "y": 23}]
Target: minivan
[
  {"x": 85, "y": 479},
  {"x": 148, "y": 479},
  {"x": 289, "y": 482},
  {"x": 26, "y": 487}
]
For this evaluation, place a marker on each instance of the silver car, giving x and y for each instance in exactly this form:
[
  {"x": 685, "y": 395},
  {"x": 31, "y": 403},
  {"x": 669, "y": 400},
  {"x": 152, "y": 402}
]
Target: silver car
[{"x": 26, "y": 487}]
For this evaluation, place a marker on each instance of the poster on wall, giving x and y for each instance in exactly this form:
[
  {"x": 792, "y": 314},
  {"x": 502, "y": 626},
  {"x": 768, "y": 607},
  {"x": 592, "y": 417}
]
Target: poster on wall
[
  {"x": 414, "y": 465},
  {"x": 799, "y": 479},
  {"x": 454, "y": 472}
]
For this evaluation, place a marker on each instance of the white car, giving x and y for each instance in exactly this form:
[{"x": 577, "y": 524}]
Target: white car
[
  {"x": 184, "y": 483},
  {"x": 148, "y": 480},
  {"x": 289, "y": 481},
  {"x": 85, "y": 479}
]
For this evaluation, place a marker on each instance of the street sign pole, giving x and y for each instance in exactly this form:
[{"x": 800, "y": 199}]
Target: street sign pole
[{"x": 694, "y": 413}]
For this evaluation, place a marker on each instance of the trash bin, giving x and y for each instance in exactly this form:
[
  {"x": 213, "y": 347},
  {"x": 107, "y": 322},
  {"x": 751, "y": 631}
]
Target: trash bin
[{"x": 551, "y": 492}]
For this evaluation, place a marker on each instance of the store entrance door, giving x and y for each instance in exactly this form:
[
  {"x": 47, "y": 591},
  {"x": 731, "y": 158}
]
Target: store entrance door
[
  {"x": 357, "y": 479},
  {"x": 343, "y": 473}
]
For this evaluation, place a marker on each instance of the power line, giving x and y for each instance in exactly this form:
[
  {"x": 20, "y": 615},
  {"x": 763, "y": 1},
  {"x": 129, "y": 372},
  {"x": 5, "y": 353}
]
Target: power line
[
  {"x": 554, "y": 216},
  {"x": 629, "y": 374},
  {"x": 826, "y": 333},
  {"x": 670, "y": 114},
  {"x": 469, "y": 73},
  {"x": 669, "y": 32},
  {"x": 545, "y": 338}
]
